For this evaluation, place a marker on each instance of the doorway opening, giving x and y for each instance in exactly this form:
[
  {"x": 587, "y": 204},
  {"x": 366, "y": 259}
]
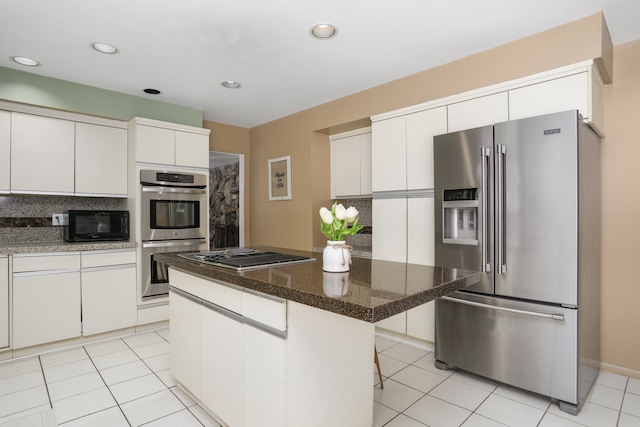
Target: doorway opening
[{"x": 226, "y": 202}]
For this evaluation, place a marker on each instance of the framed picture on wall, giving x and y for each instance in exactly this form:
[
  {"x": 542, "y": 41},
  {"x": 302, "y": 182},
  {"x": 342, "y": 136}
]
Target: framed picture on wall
[{"x": 280, "y": 178}]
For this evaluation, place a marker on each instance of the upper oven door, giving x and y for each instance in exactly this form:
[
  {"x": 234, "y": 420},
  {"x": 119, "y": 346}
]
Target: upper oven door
[{"x": 170, "y": 213}]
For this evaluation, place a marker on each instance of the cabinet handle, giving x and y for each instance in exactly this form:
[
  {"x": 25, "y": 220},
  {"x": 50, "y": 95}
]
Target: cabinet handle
[{"x": 43, "y": 272}]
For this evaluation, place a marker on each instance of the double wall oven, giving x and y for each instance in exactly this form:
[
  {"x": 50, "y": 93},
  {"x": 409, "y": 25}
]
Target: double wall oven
[{"x": 173, "y": 210}]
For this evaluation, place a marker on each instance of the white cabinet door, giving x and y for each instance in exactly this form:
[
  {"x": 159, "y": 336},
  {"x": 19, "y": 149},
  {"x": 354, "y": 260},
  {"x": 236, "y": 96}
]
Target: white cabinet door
[
  {"x": 421, "y": 128},
  {"x": 42, "y": 155},
  {"x": 389, "y": 154},
  {"x": 101, "y": 160},
  {"x": 46, "y": 307},
  {"x": 191, "y": 149},
  {"x": 108, "y": 299},
  {"x": 389, "y": 222},
  {"x": 365, "y": 164},
  {"x": 155, "y": 145},
  {"x": 264, "y": 374},
  {"x": 420, "y": 226},
  {"x": 566, "y": 93},
  {"x": 345, "y": 167},
  {"x": 482, "y": 111},
  {"x": 223, "y": 364},
  {"x": 421, "y": 322},
  {"x": 186, "y": 342},
  {"x": 4, "y": 301},
  {"x": 5, "y": 151}
]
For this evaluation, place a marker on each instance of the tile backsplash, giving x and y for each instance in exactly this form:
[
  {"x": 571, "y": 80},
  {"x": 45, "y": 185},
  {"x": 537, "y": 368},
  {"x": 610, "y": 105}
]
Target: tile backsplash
[
  {"x": 363, "y": 238},
  {"x": 27, "y": 218}
]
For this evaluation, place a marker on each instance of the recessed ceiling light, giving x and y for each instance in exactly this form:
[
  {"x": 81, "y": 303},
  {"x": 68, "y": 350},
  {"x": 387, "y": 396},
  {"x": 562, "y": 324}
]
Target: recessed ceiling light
[
  {"x": 105, "y": 48},
  {"x": 151, "y": 91},
  {"x": 23, "y": 60},
  {"x": 230, "y": 84},
  {"x": 323, "y": 31}
]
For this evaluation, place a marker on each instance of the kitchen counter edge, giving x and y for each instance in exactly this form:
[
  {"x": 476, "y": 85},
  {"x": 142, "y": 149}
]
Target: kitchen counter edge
[
  {"x": 362, "y": 312},
  {"x": 46, "y": 247}
]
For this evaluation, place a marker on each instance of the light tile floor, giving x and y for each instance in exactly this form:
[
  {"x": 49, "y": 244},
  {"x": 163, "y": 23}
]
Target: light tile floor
[{"x": 127, "y": 382}]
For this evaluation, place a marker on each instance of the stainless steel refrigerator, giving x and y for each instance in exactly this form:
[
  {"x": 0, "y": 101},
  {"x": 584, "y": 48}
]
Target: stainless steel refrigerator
[{"x": 520, "y": 201}]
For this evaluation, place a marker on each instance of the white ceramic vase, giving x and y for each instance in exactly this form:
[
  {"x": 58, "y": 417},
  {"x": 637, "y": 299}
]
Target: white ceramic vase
[{"x": 336, "y": 256}]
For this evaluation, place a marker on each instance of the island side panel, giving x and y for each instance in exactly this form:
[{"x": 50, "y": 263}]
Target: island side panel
[{"x": 330, "y": 369}]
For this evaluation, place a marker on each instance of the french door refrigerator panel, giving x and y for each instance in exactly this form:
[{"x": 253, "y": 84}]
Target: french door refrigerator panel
[
  {"x": 459, "y": 166},
  {"x": 536, "y": 177}
]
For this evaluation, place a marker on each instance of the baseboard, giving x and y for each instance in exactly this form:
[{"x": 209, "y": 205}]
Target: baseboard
[{"x": 620, "y": 370}]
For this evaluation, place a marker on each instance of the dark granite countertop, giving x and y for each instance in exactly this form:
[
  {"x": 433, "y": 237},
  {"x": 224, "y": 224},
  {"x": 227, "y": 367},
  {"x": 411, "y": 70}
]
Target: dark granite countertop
[
  {"x": 371, "y": 291},
  {"x": 44, "y": 247}
]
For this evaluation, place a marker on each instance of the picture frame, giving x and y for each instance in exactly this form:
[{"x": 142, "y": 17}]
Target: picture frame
[{"x": 280, "y": 178}]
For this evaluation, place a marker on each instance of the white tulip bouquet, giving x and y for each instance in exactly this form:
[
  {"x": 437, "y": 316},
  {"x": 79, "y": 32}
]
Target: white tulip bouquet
[{"x": 339, "y": 222}]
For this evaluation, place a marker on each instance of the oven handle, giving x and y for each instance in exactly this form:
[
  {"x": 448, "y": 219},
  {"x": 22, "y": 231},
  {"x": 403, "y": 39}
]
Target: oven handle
[
  {"x": 180, "y": 190},
  {"x": 173, "y": 243}
]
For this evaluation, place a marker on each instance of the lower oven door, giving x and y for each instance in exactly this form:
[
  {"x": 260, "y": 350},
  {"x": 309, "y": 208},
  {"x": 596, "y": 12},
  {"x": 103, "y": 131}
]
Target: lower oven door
[{"x": 154, "y": 275}]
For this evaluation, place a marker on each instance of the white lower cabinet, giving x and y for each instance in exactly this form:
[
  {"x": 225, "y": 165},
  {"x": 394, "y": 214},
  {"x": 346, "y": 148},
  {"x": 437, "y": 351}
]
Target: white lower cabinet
[
  {"x": 108, "y": 291},
  {"x": 108, "y": 299},
  {"x": 234, "y": 363},
  {"x": 223, "y": 364},
  {"x": 185, "y": 342},
  {"x": 46, "y": 299},
  {"x": 264, "y": 378}
]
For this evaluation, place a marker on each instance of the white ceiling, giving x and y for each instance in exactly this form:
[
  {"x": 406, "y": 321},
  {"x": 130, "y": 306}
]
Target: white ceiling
[{"x": 185, "y": 48}]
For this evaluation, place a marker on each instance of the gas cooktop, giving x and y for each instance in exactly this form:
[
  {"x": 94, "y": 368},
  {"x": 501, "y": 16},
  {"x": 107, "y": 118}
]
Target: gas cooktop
[{"x": 241, "y": 259}]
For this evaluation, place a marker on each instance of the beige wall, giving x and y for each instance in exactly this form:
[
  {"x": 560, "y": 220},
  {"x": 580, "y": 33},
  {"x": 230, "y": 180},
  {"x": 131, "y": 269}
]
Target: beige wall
[
  {"x": 233, "y": 139},
  {"x": 620, "y": 211}
]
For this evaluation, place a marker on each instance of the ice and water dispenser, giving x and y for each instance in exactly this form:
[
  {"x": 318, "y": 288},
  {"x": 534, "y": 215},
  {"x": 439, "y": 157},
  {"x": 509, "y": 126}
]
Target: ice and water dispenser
[{"x": 460, "y": 216}]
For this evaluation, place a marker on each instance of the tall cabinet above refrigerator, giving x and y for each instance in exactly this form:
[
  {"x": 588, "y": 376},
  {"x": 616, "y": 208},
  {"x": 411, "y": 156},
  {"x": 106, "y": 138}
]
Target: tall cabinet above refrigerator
[{"x": 520, "y": 201}]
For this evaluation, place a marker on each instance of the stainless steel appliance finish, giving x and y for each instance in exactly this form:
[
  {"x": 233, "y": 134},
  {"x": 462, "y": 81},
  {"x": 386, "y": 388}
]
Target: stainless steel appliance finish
[
  {"x": 241, "y": 259},
  {"x": 174, "y": 218},
  {"x": 174, "y": 205},
  {"x": 155, "y": 276},
  {"x": 533, "y": 321}
]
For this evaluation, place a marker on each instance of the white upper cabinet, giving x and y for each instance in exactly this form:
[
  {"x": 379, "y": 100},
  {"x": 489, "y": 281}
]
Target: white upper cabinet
[
  {"x": 582, "y": 92},
  {"x": 477, "y": 112},
  {"x": 389, "y": 154},
  {"x": 42, "y": 154},
  {"x": 421, "y": 128},
  {"x": 5, "y": 151},
  {"x": 169, "y": 144},
  {"x": 192, "y": 149},
  {"x": 101, "y": 160},
  {"x": 351, "y": 164},
  {"x": 155, "y": 145},
  {"x": 402, "y": 156}
]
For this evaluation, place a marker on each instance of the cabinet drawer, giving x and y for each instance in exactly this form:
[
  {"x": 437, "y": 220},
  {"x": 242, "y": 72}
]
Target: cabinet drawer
[
  {"x": 267, "y": 309},
  {"x": 29, "y": 262},
  {"x": 224, "y": 295},
  {"x": 102, "y": 258}
]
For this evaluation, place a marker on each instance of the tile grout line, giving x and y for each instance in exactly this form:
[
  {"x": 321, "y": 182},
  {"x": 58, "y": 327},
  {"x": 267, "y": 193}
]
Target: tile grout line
[{"x": 46, "y": 384}]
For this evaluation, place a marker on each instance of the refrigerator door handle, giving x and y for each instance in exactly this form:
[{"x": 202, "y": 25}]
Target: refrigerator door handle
[
  {"x": 501, "y": 151},
  {"x": 506, "y": 309},
  {"x": 485, "y": 154}
]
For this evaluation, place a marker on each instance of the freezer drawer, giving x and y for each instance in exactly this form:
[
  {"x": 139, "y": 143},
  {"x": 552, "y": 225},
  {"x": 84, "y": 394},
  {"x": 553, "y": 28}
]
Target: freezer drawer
[{"x": 530, "y": 346}]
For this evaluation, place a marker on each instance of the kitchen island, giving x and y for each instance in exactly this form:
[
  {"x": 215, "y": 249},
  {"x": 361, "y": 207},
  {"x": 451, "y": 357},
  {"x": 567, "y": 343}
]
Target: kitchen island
[{"x": 290, "y": 345}]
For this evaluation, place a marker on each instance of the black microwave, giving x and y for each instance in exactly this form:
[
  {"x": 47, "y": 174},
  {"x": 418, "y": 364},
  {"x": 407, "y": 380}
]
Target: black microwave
[{"x": 92, "y": 226}]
